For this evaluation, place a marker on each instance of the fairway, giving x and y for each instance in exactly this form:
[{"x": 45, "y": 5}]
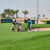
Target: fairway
[{"x": 23, "y": 40}]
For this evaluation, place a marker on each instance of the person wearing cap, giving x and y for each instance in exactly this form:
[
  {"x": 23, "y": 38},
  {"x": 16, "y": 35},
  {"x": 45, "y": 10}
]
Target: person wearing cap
[{"x": 29, "y": 25}]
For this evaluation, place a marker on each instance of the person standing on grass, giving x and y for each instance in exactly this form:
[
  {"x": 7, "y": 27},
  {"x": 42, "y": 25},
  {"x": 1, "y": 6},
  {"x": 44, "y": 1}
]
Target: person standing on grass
[
  {"x": 29, "y": 25},
  {"x": 20, "y": 26},
  {"x": 14, "y": 23}
]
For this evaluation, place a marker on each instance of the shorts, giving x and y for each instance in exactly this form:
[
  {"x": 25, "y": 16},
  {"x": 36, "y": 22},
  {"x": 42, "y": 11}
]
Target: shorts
[
  {"x": 29, "y": 27},
  {"x": 18, "y": 29},
  {"x": 15, "y": 26}
]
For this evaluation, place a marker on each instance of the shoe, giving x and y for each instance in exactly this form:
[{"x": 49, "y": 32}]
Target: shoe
[
  {"x": 15, "y": 30},
  {"x": 28, "y": 31}
]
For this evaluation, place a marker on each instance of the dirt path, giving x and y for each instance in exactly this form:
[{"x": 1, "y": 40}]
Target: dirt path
[{"x": 41, "y": 29}]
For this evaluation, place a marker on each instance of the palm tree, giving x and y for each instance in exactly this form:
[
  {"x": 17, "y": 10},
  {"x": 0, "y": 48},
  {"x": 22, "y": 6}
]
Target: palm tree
[
  {"x": 43, "y": 15},
  {"x": 3, "y": 15},
  {"x": 25, "y": 13},
  {"x": 34, "y": 17},
  {"x": 7, "y": 12},
  {"x": 12, "y": 12},
  {"x": 16, "y": 12}
]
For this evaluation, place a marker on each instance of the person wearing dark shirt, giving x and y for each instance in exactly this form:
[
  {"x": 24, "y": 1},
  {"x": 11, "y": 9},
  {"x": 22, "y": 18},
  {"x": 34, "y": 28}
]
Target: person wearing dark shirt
[
  {"x": 28, "y": 24},
  {"x": 14, "y": 23}
]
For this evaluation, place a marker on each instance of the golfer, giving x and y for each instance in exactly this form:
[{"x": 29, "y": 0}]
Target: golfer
[{"x": 29, "y": 25}]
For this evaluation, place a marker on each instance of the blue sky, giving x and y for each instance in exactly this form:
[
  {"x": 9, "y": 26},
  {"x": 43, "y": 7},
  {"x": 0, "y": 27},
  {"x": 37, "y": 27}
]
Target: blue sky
[{"x": 29, "y": 5}]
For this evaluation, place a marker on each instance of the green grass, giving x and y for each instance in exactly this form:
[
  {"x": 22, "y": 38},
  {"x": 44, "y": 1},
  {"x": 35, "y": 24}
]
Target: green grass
[
  {"x": 24, "y": 26},
  {"x": 23, "y": 40},
  {"x": 44, "y": 21},
  {"x": 40, "y": 25}
]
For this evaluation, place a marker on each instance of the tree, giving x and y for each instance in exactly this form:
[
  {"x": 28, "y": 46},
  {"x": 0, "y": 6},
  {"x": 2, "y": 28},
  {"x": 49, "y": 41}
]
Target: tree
[
  {"x": 12, "y": 12},
  {"x": 43, "y": 15},
  {"x": 16, "y": 12},
  {"x": 3, "y": 15},
  {"x": 34, "y": 17},
  {"x": 7, "y": 12},
  {"x": 25, "y": 13},
  {"x": 0, "y": 15}
]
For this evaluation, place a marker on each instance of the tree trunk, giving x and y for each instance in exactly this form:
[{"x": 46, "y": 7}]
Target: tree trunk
[
  {"x": 16, "y": 15},
  {"x": 25, "y": 17}
]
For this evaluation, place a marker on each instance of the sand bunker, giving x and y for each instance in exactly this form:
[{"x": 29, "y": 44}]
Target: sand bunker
[{"x": 41, "y": 29}]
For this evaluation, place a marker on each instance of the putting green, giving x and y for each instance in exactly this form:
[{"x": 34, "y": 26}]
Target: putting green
[{"x": 23, "y": 40}]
